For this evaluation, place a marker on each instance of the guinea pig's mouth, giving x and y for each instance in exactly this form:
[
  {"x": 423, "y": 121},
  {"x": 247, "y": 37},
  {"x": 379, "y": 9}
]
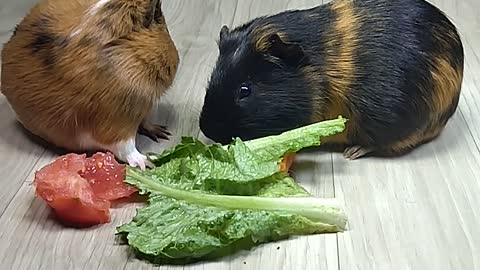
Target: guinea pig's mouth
[
  {"x": 216, "y": 137},
  {"x": 224, "y": 134},
  {"x": 215, "y": 131}
]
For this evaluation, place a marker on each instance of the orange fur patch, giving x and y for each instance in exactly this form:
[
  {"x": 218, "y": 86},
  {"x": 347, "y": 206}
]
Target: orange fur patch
[
  {"x": 341, "y": 62},
  {"x": 287, "y": 162},
  {"x": 407, "y": 143},
  {"x": 447, "y": 84},
  {"x": 341, "y": 43},
  {"x": 263, "y": 33},
  {"x": 415, "y": 139}
]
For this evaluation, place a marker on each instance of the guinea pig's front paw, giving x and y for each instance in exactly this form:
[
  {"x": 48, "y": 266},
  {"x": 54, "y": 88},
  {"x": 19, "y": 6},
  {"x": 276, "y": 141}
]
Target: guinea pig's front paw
[
  {"x": 154, "y": 132},
  {"x": 135, "y": 159},
  {"x": 126, "y": 151},
  {"x": 356, "y": 151}
]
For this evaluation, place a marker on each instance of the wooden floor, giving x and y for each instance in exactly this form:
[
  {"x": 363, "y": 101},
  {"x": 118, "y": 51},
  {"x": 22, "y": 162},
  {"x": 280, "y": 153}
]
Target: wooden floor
[{"x": 421, "y": 211}]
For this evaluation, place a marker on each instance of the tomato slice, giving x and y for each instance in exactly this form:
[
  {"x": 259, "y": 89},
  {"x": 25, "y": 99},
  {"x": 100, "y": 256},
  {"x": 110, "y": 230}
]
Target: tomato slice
[
  {"x": 71, "y": 196},
  {"x": 79, "y": 189},
  {"x": 106, "y": 176}
]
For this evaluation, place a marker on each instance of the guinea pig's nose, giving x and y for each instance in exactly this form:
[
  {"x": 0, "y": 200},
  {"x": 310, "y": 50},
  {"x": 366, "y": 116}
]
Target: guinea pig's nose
[{"x": 214, "y": 131}]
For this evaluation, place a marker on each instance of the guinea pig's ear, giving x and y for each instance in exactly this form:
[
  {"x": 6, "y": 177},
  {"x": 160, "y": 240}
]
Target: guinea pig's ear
[
  {"x": 291, "y": 53},
  {"x": 223, "y": 32}
]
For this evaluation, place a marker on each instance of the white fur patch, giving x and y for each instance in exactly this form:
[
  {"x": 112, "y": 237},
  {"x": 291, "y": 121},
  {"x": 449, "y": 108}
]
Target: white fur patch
[
  {"x": 124, "y": 150},
  {"x": 76, "y": 32},
  {"x": 97, "y": 6},
  {"x": 236, "y": 53},
  {"x": 86, "y": 142},
  {"x": 92, "y": 11}
]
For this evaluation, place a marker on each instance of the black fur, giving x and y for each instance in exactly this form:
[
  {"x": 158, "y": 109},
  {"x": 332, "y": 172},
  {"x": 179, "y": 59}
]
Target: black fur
[
  {"x": 45, "y": 41},
  {"x": 42, "y": 41},
  {"x": 149, "y": 16},
  {"x": 271, "y": 108},
  {"x": 392, "y": 69},
  {"x": 158, "y": 15},
  {"x": 15, "y": 29},
  {"x": 154, "y": 13}
]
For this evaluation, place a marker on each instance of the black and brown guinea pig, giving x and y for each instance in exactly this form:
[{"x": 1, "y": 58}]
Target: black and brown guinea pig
[
  {"x": 85, "y": 74},
  {"x": 394, "y": 68}
]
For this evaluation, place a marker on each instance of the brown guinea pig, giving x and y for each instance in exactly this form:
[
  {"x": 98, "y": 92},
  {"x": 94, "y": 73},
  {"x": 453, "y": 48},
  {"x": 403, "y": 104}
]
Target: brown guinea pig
[
  {"x": 85, "y": 74},
  {"x": 394, "y": 68}
]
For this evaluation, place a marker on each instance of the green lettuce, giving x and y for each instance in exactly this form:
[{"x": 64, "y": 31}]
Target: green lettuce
[{"x": 204, "y": 199}]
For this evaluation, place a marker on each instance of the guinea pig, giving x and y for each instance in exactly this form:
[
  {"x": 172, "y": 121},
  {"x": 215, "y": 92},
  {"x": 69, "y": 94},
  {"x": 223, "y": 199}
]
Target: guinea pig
[
  {"x": 393, "y": 68},
  {"x": 85, "y": 74}
]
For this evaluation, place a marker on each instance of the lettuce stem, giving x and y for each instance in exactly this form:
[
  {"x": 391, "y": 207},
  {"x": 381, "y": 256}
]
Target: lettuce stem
[{"x": 315, "y": 209}]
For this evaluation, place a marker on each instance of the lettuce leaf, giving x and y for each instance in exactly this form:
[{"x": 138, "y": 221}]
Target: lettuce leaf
[
  {"x": 275, "y": 147},
  {"x": 207, "y": 198}
]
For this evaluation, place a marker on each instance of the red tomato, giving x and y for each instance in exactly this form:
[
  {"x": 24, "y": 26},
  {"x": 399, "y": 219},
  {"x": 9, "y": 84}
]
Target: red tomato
[
  {"x": 106, "y": 177},
  {"x": 79, "y": 189}
]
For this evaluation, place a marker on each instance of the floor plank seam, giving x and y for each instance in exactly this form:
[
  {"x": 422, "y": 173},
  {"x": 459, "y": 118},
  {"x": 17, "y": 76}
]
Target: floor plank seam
[
  {"x": 469, "y": 129},
  {"x": 333, "y": 174},
  {"x": 473, "y": 51},
  {"x": 332, "y": 159},
  {"x": 338, "y": 251}
]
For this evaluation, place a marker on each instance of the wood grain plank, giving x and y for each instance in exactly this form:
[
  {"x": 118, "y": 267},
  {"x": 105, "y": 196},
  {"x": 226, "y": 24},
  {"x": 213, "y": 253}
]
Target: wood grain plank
[
  {"x": 18, "y": 154},
  {"x": 414, "y": 212},
  {"x": 471, "y": 86}
]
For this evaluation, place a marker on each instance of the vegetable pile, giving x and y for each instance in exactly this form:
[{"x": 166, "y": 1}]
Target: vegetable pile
[
  {"x": 207, "y": 198},
  {"x": 203, "y": 200}
]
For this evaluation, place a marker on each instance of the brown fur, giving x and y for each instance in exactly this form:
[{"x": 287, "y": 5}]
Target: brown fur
[{"x": 83, "y": 76}]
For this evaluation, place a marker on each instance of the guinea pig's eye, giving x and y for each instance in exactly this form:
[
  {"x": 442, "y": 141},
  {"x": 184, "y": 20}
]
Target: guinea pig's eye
[{"x": 245, "y": 91}]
